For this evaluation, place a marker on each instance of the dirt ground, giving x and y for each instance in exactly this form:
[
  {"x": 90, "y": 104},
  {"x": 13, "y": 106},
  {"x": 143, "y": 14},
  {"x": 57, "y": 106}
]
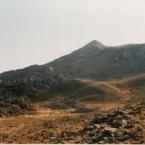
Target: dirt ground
[{"x": 47, "y": 125}]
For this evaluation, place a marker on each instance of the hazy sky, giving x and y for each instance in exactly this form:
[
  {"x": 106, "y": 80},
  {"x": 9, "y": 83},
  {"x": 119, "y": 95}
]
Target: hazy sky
[{"x": 38, "y": 31}]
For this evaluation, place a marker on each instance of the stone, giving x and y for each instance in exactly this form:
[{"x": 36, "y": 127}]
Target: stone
[
  {"x": 106, "y": 138},
  {"x": 129, "y": 125},
  {"x": 118, "y": 112},
  {"x": 110, "y": 129},
  {"x": 91, "y": 134},
  {"x": 133, "y": 134},
  {"x": 108, "y": 132},
  {"x": 89, "y": 127},
  {"x": 96, "y": 126},
  {"x": 111, "y": 114},
  {"x": 124, "y": 123},
  {"x": 122, "y": 138},
  {"x": 125, "y": 112},
  {"x": 102, "y": 118},
  {"x": 118, "y": 134},
  {"x": 101, "y": 142},
  {"x": 116, "y": 123},
  {"x": 98, "y": 138},
  {"x": 111, "y": 137},
  {"x": 118, "y": 117},
  {"x": 87, "y": 132}
]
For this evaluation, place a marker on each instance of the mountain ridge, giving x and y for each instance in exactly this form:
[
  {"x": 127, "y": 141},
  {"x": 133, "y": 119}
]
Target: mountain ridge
[{"x": 93, "y": 60}]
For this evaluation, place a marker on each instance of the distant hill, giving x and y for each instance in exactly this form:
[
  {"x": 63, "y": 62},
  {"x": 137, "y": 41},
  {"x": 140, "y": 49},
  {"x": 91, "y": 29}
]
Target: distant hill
[
  {"x": 30, "y": 81},
  {"x": 94, "y": 60},
  {"x": 19, "y": 88},
  {"x": 101, "y": 62}
]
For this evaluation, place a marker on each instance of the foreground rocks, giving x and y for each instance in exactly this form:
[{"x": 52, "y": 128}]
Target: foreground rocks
[{"x": 121, "y": 125}]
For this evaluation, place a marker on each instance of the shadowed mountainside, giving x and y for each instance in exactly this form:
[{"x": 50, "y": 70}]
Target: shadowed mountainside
[
  {"x": 18, "y": 88},
  {"x": 94, "y": 60},
  {"x": 97, "y": 61}
]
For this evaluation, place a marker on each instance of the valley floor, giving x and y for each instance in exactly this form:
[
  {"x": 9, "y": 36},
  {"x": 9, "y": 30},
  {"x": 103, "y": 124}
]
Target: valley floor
[{"x": 47, "y": 126}]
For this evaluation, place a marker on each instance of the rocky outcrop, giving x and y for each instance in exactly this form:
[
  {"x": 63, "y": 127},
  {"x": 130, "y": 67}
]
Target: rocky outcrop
[
  {"x": 29, "y": 82},
  {"x": 14, "y": 106},
  {"x": 122, "y": 125},
  {"x": 119, "y": 126}
]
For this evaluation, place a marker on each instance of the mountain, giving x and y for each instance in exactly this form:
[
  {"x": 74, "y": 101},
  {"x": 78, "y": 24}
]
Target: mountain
[
  {"x": 97, "y": 61},
  {"x": 77, "y": 77},
  {"x": 94, "y": 60}
]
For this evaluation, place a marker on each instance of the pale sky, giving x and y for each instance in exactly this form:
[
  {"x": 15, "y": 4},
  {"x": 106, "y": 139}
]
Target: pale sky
[{"x": 38, "y": 31}]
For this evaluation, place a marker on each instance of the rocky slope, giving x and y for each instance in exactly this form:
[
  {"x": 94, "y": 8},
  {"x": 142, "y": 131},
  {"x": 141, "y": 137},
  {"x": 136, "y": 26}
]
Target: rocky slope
[
  {"x": 14, "y": 106},
  {"x": 18, "y": 89},
  {"x": 97, "y": 61},
  {"x": 120, "y": 125},
  {"x": 28, "y": 81}
]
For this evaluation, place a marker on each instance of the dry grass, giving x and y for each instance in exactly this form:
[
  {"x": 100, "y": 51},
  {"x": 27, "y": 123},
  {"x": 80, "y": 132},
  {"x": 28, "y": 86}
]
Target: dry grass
[{"x": 46, "y": 125}]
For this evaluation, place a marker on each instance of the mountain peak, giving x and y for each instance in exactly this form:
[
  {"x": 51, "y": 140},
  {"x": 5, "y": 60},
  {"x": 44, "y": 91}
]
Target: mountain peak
[{"x": 94, "y": 43}]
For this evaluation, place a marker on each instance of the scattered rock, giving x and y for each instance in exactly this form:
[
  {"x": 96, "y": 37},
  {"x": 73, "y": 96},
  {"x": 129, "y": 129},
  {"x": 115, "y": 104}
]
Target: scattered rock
[
  {"x": 16, "y": 106},
  {"x": 124, "y": 123},
  {"x": 96, "y": 126},
  {"x": 116, "y": 126},
  {"x": 89, "y": 128}
]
